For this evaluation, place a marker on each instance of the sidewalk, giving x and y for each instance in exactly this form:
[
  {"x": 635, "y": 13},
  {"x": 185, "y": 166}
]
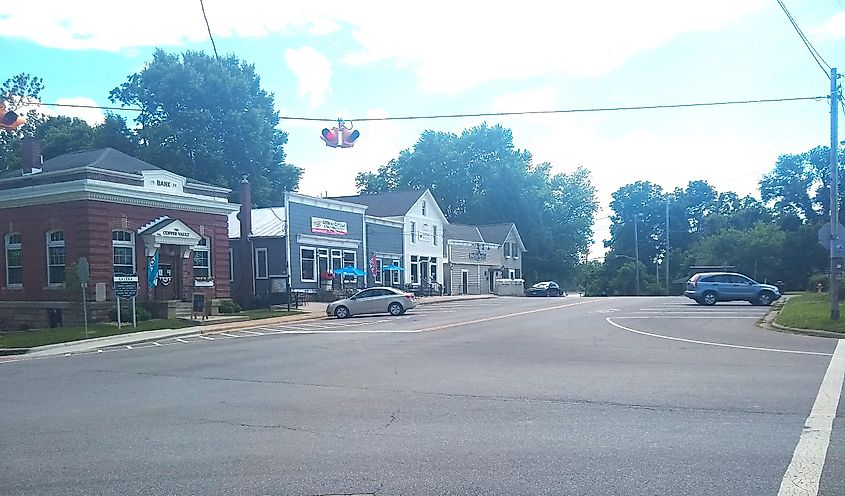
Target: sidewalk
[{"x": 310, "y": 311}]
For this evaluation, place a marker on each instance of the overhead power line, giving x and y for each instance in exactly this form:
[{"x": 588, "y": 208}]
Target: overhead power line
[
  {"x": 825, "y": 67},
  {"x": 208, "y": 26},
  {"x": 563, "y": 111}
]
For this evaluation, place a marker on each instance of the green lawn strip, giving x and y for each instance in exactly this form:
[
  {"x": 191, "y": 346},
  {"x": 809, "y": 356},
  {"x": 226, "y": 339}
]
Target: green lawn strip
[
  {"x": 811, "y": 311},
  {"x": 41, "y": 337},
  {"x": 266, "y": 314}
]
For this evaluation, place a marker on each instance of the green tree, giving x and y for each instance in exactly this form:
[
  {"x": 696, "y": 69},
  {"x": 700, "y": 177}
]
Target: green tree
[
  {"x": 209, "y": 119},
  {"x": 17, "y": 92},
  {"x": 479, "y": 177}
]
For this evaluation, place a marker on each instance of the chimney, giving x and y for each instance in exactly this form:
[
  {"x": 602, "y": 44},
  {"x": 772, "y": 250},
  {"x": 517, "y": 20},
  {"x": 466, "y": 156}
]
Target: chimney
[
  {"x": 31, "y": 159},
  {"x": 245, "y": 215}
]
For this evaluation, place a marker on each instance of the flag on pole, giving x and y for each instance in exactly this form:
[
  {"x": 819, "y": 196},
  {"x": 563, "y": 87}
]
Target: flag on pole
[
  {"x": 152, "y": 271},
  {"x": 374, "y": 266}
]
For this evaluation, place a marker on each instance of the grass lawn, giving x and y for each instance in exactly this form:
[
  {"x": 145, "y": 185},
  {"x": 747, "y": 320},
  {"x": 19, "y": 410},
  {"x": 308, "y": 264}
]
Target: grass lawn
[
  {"x": 266, "y": 314},
  {"x": 40, "y": 337},
  {"x": 811, "y": 311}
]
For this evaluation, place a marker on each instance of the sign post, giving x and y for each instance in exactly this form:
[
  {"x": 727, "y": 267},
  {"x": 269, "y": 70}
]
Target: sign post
[
  {"x": 126, "y": 288},
  {"x": 84, "y": 274}
]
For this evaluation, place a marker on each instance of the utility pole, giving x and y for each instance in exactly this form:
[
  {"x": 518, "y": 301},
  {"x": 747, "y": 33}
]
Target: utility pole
[
  {"x": 834, "y": 192},
  {"x": 637, "y": 254},
  {"x": 667, "y": 245}
]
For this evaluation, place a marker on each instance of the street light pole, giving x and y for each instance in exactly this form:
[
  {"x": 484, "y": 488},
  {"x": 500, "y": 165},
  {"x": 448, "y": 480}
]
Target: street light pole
[
  {"x": 834, "y": 191},
  {"x": 637, "y": 254}
]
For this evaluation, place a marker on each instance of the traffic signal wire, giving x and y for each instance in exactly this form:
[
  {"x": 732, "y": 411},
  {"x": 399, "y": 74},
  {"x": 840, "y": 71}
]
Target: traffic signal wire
[{"x": 496, "y": 114}]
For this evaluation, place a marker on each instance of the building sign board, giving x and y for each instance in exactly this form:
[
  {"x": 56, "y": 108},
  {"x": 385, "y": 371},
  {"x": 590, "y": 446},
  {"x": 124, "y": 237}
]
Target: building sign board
[{"x": 328, "y": 226}]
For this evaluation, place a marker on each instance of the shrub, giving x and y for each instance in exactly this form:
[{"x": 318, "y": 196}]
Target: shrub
[
  {"x": 141, "y": 313},
  {"x": 229, "y": 306}
]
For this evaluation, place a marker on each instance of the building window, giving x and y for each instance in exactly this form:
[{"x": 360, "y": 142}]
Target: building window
[
  {"x": 377, "y": 270},
  {"x": 350, "y": 258},
  {"x": 413, "y": 232},
  {"x": 308, "y": 264},
  {"x": 202, "y": 259},
  {"x": 517, "y": 274},
  {"x": 261, "y": 266},
  {"x": 507, "y": 250},
  {"x": 434, "y": 235},
  {"x": 423, "y": 208},
  {"x": 14, "y": 262},
  {"x": 123, "y": 252},
  {"x": 514, "y": 251},
  {"x": 432, "y": 267},
  {"x": 395, "y": 273},
  {"x": 337, "y": 260},
  {"x": 56, "y": 258},
  {"x": 511, "y": 274}
]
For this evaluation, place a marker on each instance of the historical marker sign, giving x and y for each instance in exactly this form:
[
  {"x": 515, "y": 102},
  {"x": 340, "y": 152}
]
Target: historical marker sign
[{"x": 126, "y": 287}]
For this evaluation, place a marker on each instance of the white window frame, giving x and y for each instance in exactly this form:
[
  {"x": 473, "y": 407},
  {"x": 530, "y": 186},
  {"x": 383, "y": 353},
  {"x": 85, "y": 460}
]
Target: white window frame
[
  {"x": 377, "y": 275},
  {"x": 413, "y": 232},
  {"x": 14, "y": 246},
  {"x": 423, "y": 208},
  {"x": 313, "y": 259},
  {"x": 123, "y": 244},
  {"x": 203, "y": 248},
  {"x": 434, "y": 234},
  {"x": 511, "y": 274},
  {"x": 56, "y": 244},
  {"x": 514, "y": 251},
  {"x": 266, "y": 264},
  {"x": 507, "y": 250},
  {"x": 395, "y": 273}
]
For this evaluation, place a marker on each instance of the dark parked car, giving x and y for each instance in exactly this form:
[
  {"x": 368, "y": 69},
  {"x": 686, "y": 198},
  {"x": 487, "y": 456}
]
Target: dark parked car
[
  {"x": 547, "y": 288},
  {"x": 709, "y": 287}
]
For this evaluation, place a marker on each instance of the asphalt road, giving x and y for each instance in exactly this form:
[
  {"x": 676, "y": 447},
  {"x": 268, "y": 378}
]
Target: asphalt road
[{"x": 508, "y": 396}]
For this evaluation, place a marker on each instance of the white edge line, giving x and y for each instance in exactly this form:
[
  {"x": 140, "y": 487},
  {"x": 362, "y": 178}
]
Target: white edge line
[
  {"x": 724, "y": 345},
  {"x": 804, "y": 472},
  {"x": 252, "y": 332},
  {"x": 209, "y": 338},
  {"x": 673, "y": 317},
  {"x": 228, "y": 335},
  {"x": 182, "y": 340}
]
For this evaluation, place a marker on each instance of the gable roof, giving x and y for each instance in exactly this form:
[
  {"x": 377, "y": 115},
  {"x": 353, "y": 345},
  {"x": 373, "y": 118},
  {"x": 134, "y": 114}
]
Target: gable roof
[
  {"x": 463, "y": 232},
  {"x": 266, "y": 223},
  {"x": 386, "y": 204},
  {"x": 102, "y": 158},
  {"x": 498, "y": 233}
]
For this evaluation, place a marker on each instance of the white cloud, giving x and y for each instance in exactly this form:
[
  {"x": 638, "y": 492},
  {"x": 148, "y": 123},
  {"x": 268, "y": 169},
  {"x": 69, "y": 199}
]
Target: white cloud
[
  {"x": 314, "y": 71},
  {"x": 90, "y": 115},
  {"x": 529, "y": 100},
  {"x": 453, "y": 46},
  {"x": 833, "y": 29}
]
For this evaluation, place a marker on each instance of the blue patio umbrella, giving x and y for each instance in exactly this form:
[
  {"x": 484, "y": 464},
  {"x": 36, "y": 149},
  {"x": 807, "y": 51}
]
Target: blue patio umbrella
[
  {"x": 350, "y": 271},
  {"x": 392, "y": 267}
]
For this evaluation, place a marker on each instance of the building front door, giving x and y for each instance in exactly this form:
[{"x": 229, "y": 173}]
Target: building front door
[
  {"x": 464, "y": 282},
  {"x": 169, "y": 271}
]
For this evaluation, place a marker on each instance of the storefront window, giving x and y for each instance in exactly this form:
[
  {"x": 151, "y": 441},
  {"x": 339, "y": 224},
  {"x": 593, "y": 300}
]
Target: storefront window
[
  {"x": 396, "y": 276},
  {"x": 261, "y": 265},
  {"x": 307, "y": 259}
]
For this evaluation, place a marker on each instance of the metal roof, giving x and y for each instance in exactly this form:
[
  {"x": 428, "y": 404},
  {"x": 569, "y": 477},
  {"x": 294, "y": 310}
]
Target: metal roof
[{"x": 266, "y": 223}]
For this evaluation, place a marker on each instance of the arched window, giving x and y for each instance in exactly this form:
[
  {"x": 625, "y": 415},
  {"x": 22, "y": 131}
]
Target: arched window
[
  {"x": 123, "y": 251},
  {"x": 14, "y": 262},
  {"x": 202, "y": 259},
  {"x": 56, "y": 258}
]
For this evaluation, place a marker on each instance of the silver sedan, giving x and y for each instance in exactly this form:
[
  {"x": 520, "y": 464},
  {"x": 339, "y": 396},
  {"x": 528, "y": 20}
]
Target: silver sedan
[{"x": 373, "y": 300}]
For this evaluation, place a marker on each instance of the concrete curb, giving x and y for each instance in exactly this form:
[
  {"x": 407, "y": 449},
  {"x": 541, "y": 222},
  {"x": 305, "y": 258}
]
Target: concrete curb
[
  {"x": 768, "y": 322},
  {"x": 147, "y": 336}
]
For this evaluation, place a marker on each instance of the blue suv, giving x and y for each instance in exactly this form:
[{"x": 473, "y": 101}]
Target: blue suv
[{"x": 707, "y": 288}]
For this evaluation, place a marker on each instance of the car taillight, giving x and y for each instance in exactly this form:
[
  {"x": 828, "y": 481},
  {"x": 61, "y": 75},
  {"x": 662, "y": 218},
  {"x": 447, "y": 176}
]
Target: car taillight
[{"x": 410, "y": 296}]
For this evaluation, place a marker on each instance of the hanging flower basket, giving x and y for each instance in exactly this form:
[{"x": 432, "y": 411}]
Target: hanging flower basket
[{"x": 326, "y": 276}]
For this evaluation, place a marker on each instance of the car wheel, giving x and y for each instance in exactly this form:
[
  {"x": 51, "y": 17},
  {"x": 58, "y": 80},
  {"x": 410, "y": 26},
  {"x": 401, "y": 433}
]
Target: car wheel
[
  {"x": 708, "y": 298},
  {"x": 395, "y": 309},
  {"x": 341, "y": 312},
  {"x": 765, "y": 299}
]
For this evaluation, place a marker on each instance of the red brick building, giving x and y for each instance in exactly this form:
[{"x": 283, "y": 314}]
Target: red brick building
[{"x": 118, "y": 212}]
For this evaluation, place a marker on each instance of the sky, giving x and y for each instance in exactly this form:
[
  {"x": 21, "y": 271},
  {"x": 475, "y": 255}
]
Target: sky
[{"x": 379, "y": 59}]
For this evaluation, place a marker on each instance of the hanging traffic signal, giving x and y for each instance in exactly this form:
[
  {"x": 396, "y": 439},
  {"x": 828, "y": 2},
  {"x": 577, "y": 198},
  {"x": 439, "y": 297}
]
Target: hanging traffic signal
[
  {"x": 348, "y": 137},
  {"x": 330, "y": 136},
  {"x": 10, "y": 119}
]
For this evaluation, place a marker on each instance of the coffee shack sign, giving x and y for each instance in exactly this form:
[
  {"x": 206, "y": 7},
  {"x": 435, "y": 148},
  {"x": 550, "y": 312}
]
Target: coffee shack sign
[{"x": 328, "y": 226}]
